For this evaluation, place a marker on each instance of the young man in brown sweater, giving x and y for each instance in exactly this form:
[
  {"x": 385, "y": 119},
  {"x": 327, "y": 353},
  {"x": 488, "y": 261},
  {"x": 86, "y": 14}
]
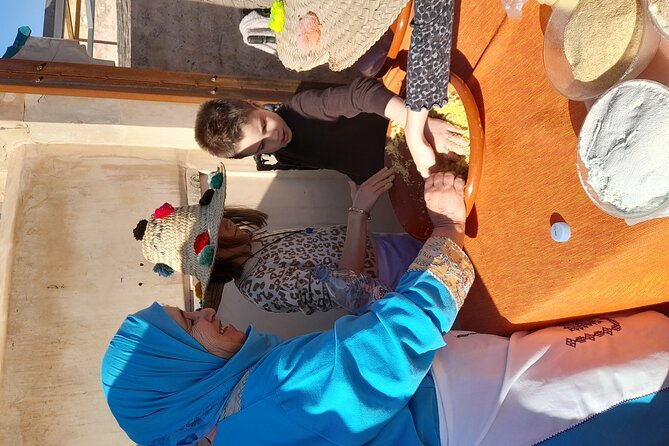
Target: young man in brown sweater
[{"x": 340, "y": 128}]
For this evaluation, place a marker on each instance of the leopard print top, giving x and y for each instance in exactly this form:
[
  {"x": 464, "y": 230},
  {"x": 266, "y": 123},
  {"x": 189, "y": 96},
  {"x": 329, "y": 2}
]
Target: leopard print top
[
  {"x": 278, "y": 278},
  {"x": 429, "y": 64}
]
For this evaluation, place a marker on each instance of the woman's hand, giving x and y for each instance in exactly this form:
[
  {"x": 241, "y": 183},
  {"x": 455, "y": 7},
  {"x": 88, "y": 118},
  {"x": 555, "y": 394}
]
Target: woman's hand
[
  {"x": 364, "y": 196},
  {"x": 445, "y": 200},
  {"x": 445, "y": 137}
]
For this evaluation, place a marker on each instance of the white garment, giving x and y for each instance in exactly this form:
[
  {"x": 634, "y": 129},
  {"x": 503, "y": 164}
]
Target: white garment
[
  {"x": 254, "y": 24},
  {"x": 497, "y": 391}
]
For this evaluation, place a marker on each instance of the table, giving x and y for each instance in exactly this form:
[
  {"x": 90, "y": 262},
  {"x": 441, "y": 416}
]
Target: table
[{"x": 525, "y": 280}]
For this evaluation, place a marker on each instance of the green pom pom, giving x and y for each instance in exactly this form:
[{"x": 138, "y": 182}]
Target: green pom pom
[
  {"x": 277, "y": 17},
  {"x": 206, "y": 256},
  {"x": 216, "y": 180}
]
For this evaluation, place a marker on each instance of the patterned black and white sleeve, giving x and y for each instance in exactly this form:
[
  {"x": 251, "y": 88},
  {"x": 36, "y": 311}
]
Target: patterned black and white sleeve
[
  {"x": 428, "y": 68},
  {"x": 286, "y": 289}
]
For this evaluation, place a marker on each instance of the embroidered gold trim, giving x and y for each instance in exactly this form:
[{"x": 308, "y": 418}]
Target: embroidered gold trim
[{"x": 446, "y": 262}]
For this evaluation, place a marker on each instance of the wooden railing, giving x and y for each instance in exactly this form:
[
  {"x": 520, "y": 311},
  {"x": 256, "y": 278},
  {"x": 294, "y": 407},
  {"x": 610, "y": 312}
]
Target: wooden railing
[{"x": 71, "y": 79}]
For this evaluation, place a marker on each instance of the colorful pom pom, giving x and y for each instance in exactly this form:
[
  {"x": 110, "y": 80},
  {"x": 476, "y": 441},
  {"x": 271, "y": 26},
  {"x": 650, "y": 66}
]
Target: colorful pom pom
[
  {"x": 163, "y": 211},
  {"x": 201, "y": 241},
  {"x": 206, "y": 256},
  {"x": 162, "y": 270},
  {"x": 206, "y": 197},
  {"x": 140, "y": 229},
  {"x": 277, "y": 17},
  {"x": 198, "y": 290},
  {"x": 309, "y": 230},
  {"x": 216, "y": 180}
]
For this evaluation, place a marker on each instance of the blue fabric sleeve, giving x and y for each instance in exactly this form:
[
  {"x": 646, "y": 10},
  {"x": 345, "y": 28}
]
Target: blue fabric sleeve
[
  {"x": 347, "y": 383},
  {"x": 425, "y": 411}
]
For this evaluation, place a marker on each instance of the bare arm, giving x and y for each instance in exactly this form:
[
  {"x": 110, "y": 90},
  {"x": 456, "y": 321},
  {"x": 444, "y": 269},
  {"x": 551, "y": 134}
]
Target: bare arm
[
  {"x": 421, "y": 151},
  {"x": 364, "y": 198},
  {"x": 396, "y": 110},
  {"x": 353, "y": 255}
]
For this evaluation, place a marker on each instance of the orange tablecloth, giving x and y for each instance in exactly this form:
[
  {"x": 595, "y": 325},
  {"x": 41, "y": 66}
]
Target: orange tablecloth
[{"x": 525, "y": 280}]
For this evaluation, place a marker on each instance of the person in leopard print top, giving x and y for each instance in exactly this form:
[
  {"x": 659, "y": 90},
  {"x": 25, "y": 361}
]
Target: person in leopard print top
[
  {"x": 278, "y": 275},
  {"x": 274, "y": 270},
  {"x": 428, "y": 73}
]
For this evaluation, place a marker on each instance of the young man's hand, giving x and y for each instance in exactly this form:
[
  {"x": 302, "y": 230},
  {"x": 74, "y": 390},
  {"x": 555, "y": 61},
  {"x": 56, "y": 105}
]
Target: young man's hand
[
  {"x": 364, "y": 196},
  {"x": 445, "y": 137}
]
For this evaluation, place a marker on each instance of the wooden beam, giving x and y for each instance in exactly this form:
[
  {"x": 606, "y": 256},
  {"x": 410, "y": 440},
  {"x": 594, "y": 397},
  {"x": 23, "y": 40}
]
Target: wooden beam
[
  {"x": 77, "y": 20},
  {"x": 71, "y": 79},
  {"x": 68, "y": 19}
]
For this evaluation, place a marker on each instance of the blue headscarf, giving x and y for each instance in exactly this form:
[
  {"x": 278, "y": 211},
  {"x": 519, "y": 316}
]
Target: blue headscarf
[{"x": 162, "y": 386}]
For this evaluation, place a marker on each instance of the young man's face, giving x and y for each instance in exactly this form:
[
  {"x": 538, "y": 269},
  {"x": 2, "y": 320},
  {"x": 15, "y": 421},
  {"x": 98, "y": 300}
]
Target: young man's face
[{"x": 264, "y": 132}]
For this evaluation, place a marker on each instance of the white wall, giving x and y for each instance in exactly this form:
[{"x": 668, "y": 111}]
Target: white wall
[{"x": 75, "y": 274}]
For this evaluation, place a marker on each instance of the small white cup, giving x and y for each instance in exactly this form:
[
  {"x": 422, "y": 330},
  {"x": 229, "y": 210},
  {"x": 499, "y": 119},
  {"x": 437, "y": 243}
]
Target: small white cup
[{"x": 560, "y": 232}]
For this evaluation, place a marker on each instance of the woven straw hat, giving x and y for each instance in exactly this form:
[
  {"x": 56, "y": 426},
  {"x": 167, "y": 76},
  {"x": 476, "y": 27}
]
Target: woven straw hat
[
  {"x": 185, "y": 239},
  {"x": 348, "y": 28}
]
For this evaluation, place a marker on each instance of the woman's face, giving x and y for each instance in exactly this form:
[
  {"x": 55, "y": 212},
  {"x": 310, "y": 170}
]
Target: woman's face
[
  {"x": 219, "y": 340},
  {"x": 228, "y": 230}
]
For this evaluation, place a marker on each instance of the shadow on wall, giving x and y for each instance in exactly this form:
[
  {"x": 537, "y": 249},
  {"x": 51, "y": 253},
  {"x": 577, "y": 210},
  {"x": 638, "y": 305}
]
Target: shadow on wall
[{"x": 201, "y": 37}]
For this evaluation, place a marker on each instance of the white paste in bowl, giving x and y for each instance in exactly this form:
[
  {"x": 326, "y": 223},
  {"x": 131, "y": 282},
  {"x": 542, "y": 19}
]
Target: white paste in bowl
[{"x": 624, "y": 145}]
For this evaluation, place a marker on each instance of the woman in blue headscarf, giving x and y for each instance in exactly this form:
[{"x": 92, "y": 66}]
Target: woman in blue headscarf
[{"x": 172, "y": 378}]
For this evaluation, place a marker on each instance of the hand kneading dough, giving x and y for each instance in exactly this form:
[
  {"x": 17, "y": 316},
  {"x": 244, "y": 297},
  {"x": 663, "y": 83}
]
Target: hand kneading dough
[{"x": 601, "y": 39}]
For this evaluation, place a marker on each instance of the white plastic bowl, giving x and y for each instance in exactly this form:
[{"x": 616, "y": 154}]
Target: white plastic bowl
[{"x": 598, "y": 112}]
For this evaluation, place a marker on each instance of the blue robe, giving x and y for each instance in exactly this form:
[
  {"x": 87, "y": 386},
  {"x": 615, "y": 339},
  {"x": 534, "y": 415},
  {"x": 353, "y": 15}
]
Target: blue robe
[
  {"x": 363, "y": 382},
  {"x": 366, "y": 381}
]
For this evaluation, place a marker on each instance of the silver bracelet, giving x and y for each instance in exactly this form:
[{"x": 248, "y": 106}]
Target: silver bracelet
[{"x": 360, "y": 211}]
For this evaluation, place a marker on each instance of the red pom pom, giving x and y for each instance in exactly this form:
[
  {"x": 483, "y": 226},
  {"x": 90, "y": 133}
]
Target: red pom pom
[
  {"x": 163, "y": 211},
  {"x": 201, "y": 241}
]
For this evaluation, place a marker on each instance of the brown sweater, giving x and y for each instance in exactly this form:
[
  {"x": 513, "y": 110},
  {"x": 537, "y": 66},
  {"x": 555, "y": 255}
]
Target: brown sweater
[{"x": 340, "y": 128}]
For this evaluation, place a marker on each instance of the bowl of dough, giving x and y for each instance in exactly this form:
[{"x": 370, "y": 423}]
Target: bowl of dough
[
  {"x": 406, "y": 195},
  {"x": 591, "y": 45},
  {"x": 623, "y": 150}
]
